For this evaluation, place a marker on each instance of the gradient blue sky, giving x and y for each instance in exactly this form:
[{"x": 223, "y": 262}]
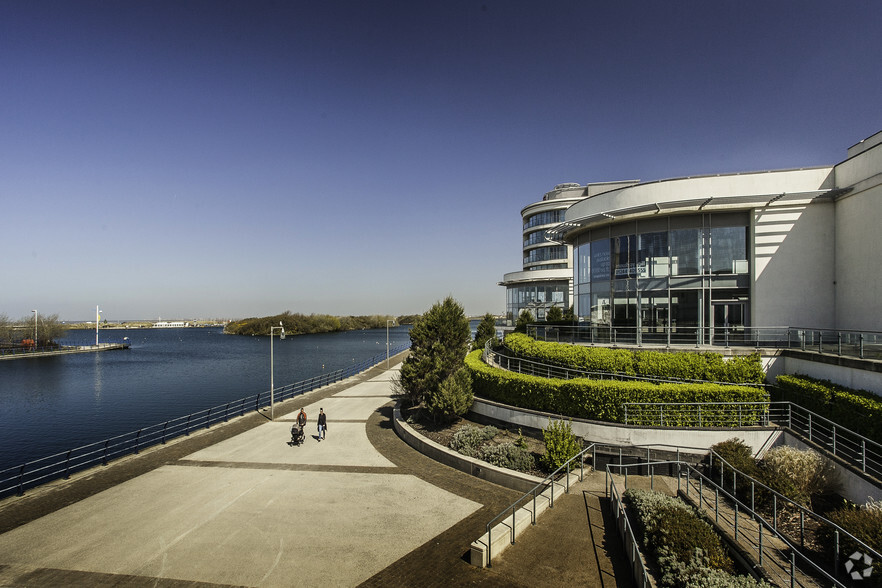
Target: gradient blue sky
[{"x": 233, "y": 159}]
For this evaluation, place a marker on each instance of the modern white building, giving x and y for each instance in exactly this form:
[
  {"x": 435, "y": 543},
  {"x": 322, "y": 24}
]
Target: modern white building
[
  {"x": 796, "y": 248},
  {"x": 546, "y": 279}
]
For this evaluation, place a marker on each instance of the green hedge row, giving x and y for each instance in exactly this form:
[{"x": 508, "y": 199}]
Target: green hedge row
[
  {"x": 681, "y": 365},
  {"x": 604, "y": 400},
  {"x": 859, "y": 410}
]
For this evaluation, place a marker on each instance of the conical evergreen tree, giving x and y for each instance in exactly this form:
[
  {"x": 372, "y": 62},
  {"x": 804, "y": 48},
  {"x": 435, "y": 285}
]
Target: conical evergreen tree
[{"x": 439, "y": 342}]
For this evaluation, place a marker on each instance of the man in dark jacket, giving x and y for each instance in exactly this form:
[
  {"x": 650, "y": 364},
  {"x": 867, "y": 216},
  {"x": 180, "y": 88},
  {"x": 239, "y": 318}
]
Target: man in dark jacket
[{"x": 322, "y": 424}]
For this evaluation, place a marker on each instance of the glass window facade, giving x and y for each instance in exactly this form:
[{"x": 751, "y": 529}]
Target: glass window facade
[
  {"x": 537, "y": 297},
  {"x": 687, "y": 272},
  {"x": 541, "y": 254},
  {"x": 547, "y": 217}
]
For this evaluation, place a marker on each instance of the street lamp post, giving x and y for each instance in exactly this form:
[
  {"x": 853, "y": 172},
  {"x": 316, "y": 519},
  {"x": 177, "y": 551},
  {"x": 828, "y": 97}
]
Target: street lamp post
[
  {"x": 35, "y": 329},
  {"x": 387, "y": 340},
  {"x": 97, "y": 320},
  {"x": 272, "y": 382}
]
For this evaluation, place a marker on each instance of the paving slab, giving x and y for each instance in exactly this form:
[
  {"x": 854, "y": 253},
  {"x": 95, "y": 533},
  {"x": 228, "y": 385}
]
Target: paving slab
[
  {"x": 237, "y": 505},
  {"x": 241, "y": 526}
]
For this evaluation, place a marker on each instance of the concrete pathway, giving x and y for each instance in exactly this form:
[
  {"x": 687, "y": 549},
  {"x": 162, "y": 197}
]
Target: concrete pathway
[{"x": 239, "y": 505}]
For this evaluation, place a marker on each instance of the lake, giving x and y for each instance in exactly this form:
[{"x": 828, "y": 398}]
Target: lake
[{"x": 52, "y": 404}]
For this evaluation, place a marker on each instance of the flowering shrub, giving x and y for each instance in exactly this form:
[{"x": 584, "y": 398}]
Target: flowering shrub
[
  {"x": 469, "y": 439},
  {"x": 508, "y": 455},
  {"x": 798, "y": 474}
]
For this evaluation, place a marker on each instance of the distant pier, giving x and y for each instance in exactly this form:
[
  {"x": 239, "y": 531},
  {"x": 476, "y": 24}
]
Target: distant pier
[{"x": 63, "y": 350}]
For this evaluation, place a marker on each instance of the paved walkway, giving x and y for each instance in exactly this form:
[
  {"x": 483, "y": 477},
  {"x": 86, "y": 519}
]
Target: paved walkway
[{"x": 238, "y": 505}]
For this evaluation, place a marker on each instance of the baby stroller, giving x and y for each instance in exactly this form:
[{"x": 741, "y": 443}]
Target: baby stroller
[{"x": 297, "y": 435}]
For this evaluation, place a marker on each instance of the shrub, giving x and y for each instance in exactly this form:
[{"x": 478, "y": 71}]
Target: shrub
[
  {"x": 469, "y": 439},
  {"x": 799, "y": 475},
  {"x": 863, "y": 523},
  {"x": 561, "y": 444},
  {"x": 508, "y": 455},
  {"x": 485, "y": 331},
  {"x": 554, "y": 315},
  {"x": 861, "y": 409},
  {"x": 453, "y": 398},
  {"x": 603, "y": 400},
  {"x": 740, "y": 456},
  {"x": 524, "y": 319},
  {"x": 688, "y": 551},
  {"x": 675, "y": 365}
]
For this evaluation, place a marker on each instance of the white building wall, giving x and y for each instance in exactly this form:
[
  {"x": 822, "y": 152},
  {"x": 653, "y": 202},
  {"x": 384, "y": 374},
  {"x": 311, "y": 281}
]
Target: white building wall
[
  {"x": 761, "y": 183},
  {"x": 859, "y": 242},
  {"x": 793, "y": 266}
]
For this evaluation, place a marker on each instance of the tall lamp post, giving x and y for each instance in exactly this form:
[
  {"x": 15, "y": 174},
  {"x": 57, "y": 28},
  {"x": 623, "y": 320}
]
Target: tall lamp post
[
  {"x": 97, "y": 320},
  {"x": 272, "y": 382},
  {"x": 35, "y": 329},
  {"x": 387, "y": 340}
]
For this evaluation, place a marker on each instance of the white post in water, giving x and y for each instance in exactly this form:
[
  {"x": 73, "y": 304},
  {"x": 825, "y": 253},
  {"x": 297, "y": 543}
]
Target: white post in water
[
  {"x": 272, "y": 381},
  {"x": 97, "y": 320}
]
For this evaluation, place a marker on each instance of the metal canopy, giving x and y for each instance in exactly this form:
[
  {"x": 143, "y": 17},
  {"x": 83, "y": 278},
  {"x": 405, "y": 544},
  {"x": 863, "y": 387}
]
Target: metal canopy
[{"x": 559, "y": 233}]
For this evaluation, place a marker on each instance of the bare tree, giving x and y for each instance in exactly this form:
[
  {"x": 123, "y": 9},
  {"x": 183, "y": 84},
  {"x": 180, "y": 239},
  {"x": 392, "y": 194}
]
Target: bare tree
[{"x": 49, "y": 329}]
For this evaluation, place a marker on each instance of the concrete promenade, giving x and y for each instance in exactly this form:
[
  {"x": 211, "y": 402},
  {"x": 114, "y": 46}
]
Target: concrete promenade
[{"x": 237, "y": 505}]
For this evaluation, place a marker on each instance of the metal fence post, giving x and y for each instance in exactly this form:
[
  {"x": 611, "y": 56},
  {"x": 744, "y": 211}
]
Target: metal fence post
[
  {"x": 864, "y": 455},
  {"x": 761, "y": 544},
  {"x": 836, "y": 553}
]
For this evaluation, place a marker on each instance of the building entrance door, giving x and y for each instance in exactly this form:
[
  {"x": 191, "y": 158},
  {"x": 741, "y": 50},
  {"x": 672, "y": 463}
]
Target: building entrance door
[{"x": 727, "y": 322}]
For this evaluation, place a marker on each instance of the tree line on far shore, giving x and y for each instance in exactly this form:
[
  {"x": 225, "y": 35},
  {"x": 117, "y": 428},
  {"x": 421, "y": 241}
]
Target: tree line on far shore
[
  {"x": 308, "y": 324},
  {"x": 17, "y": 333}
]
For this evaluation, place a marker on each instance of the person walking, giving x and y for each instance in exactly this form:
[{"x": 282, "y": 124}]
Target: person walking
[{"x": 322, "y": 424}]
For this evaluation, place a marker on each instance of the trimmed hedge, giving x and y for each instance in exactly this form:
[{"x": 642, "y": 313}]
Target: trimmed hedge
[
  {"x": 861, "y": 409},
  {"x": 712, "y": 367},
  {"x": 603, "y": 400}
]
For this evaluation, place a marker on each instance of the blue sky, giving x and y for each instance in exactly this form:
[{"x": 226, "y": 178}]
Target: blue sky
[{"x": 233, "y": 159}]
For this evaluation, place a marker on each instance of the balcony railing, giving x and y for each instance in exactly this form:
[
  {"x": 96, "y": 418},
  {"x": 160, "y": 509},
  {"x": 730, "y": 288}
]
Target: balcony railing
[{"x": 846, "y": 343}]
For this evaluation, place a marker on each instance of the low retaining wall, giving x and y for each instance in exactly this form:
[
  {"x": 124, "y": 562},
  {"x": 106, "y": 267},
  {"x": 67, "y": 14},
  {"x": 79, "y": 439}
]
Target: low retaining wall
[
  {"x": 475, "y": 467},
  {"x": 698, "y": 440}
]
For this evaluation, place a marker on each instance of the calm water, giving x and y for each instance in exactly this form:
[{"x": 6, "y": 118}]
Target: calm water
[{"x": 53, "y": 404}]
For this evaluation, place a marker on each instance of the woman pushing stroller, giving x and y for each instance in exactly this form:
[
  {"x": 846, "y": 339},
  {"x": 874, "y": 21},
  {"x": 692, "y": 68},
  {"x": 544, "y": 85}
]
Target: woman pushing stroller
[{"x": 297, "y": 430}]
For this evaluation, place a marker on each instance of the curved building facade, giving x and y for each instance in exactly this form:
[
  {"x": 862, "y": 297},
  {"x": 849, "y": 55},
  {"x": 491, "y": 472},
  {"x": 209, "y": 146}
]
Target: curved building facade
[
  {"x": 546, "y": 277},
  {"x": 796, "y": 248}
]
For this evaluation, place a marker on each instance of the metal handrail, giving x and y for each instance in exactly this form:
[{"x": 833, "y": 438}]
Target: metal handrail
[
  {"x": 535, "y": 367},
  {"x": 61, "y": 465},
  {"x": 839, "y": 531},
  {"x": 842, "y": 342},
  {"x": 548, "y": 481},
  {"x": 629, "y": 538},
  {"x": 739, "y": 506},
  {"x": 851, "y": 447}
]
